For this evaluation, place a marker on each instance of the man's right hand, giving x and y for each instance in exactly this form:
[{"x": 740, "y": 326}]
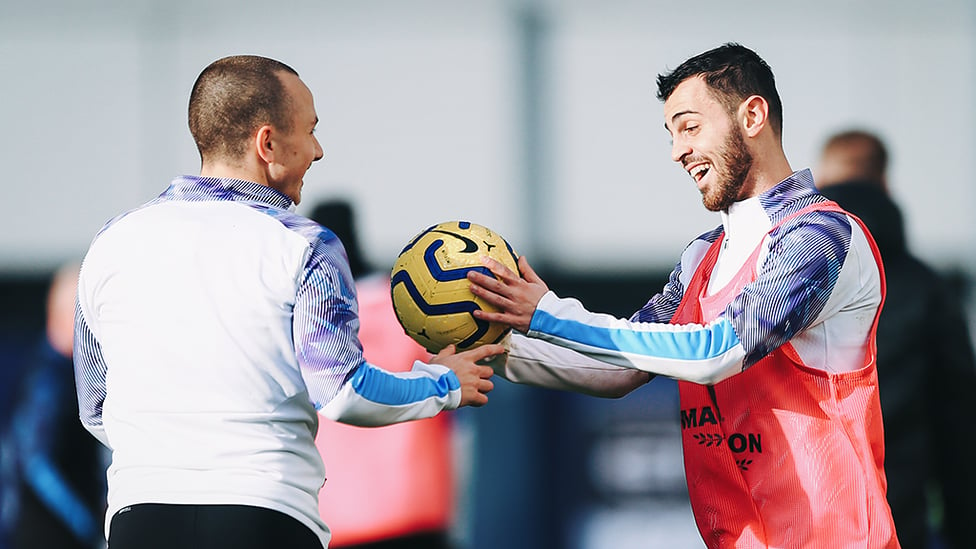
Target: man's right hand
[
  {"x": 475, "y": 378},
  {"x": 515, "y": 297}
]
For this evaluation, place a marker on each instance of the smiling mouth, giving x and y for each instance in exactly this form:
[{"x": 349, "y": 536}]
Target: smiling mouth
[{"x": 699, "y": 171}]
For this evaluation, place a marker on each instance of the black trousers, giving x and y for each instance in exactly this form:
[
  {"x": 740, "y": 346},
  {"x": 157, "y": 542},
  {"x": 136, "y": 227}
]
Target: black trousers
[{"x": 166, "y": 526}]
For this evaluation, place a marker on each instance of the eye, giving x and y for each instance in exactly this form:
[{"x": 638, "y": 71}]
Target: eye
[{"x": 691, "y": 129}]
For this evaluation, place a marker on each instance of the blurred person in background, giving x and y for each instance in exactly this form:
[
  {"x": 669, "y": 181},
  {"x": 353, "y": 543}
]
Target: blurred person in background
[
  {"x": 926, "y": 366},
  {"x": 387, "y": 487},
  {"x": 53, "y": 470}
]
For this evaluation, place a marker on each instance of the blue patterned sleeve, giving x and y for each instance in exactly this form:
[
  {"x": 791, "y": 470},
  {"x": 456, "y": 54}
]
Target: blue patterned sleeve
[
  {"x": 326, "y": 323},
  {"x": 662, "y": 306},
  {"x": 788, "y": 295},
  {"x": 341, "y": 384},
  {"x": 90, "y": 370},
  {"x": 793, "y": 285}
]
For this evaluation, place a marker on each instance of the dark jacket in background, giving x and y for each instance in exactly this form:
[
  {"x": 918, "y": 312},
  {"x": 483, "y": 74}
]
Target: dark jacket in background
[
  {"x": 927, "y": 378},
  {"x": 52, "y": 469}
]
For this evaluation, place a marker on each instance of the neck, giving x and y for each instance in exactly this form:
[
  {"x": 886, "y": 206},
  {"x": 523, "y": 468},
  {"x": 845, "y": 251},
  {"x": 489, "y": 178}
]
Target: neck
[
  {"x": 768, "y": 170},
  {"x": 232, "y": 170}
]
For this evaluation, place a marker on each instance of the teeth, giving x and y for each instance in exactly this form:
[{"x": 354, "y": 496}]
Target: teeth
[{"x": 698, "y": 170}]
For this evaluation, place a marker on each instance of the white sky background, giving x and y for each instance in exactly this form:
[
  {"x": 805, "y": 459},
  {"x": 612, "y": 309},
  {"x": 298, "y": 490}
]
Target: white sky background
[{"x": 420, "y": 111}]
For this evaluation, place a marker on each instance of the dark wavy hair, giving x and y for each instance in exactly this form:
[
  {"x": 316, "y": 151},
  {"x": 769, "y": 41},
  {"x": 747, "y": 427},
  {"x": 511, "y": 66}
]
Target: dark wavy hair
[
  {"x": 733, "y": 73},
  {"x": 233, "y": 97}
]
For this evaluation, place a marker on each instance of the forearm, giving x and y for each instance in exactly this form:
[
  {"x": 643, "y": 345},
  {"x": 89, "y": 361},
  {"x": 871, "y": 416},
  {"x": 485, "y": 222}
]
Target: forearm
[
  {"x": 701, "y": 353},
  {"x": 539, "y": 363},
  {"x": 374, "y": 397}
]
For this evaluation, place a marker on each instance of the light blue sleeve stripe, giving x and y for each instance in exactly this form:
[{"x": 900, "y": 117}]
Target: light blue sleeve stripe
[
  {"x": 382, "y": 387},
  {"x": 665, "y": 341}
]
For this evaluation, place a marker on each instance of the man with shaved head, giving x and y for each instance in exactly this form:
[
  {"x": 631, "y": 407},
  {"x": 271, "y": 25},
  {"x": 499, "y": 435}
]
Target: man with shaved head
[{"x": 214, "y": 322}]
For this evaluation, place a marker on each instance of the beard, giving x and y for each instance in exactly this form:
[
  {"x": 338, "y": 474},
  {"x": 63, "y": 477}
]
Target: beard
[{"x": 731, "y": 177}]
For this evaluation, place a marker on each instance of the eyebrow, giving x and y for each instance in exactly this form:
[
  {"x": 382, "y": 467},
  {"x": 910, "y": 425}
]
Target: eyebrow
[{"x": 677, "y": 115}]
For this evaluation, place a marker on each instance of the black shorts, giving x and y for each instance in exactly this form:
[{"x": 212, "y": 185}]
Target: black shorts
[{"x": 167, "y": 526}]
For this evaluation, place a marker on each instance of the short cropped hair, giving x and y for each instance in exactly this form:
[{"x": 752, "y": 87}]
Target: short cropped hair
[
  {"x": 733, "y": 73},
  {"x": 232, "y": 98}
]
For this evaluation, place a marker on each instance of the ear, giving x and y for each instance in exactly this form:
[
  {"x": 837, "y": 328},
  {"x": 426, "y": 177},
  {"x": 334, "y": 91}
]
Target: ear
[
  {"x": 753, "y": 114},
  {"x": 263, "y": 143}
]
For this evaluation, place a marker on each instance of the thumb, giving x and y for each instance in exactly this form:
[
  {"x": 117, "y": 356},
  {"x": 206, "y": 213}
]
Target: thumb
[
  {"x": 485, "y": 351},
  {"x": 528, "y": 273}
]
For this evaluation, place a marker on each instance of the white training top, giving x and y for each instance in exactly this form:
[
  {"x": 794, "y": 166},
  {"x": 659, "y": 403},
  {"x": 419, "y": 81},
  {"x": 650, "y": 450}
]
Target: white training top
[{"x": 211, "y": 324}]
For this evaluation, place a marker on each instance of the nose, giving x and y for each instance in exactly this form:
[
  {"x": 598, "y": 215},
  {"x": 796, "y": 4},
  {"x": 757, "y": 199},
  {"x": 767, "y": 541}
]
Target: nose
[
  {"x": 319, "y": 153},
  {"x": 679, "y": 149}
]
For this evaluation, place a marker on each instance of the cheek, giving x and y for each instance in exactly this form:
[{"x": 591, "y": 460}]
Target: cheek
[{"x": 715, "y": 148}]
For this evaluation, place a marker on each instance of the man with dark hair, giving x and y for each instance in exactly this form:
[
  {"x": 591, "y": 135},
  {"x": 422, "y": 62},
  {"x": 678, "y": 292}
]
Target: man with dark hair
[
  {"x": 213, "y": 322},
  {"x": 926, "y": 367},
  {"x": 767, "y": 322}
]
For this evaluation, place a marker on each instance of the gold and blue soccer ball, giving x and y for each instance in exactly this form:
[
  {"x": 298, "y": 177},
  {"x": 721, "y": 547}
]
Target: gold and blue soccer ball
[{"x": 431, "y": 294}]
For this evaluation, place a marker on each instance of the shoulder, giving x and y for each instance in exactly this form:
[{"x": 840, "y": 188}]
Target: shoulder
[
  {"x": 816, "y": 229},
  {"x": 700, "y": 244},
  {"x": 709, "y": 236},
  {"x": 126, "y": 215},
  {"x": 693, "y": 254},
  {"x": 812, "y": 213},
  {"x": 325, "y": 253},
  {"x": 318, "y": 238}
]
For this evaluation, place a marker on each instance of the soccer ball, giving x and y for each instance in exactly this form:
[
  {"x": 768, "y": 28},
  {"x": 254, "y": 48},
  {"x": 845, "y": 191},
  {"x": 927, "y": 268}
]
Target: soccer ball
[{"x": 430, "y": 289}]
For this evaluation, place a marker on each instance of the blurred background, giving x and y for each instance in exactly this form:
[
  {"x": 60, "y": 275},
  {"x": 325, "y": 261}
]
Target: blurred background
[{"x": 535, "y": 118}]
